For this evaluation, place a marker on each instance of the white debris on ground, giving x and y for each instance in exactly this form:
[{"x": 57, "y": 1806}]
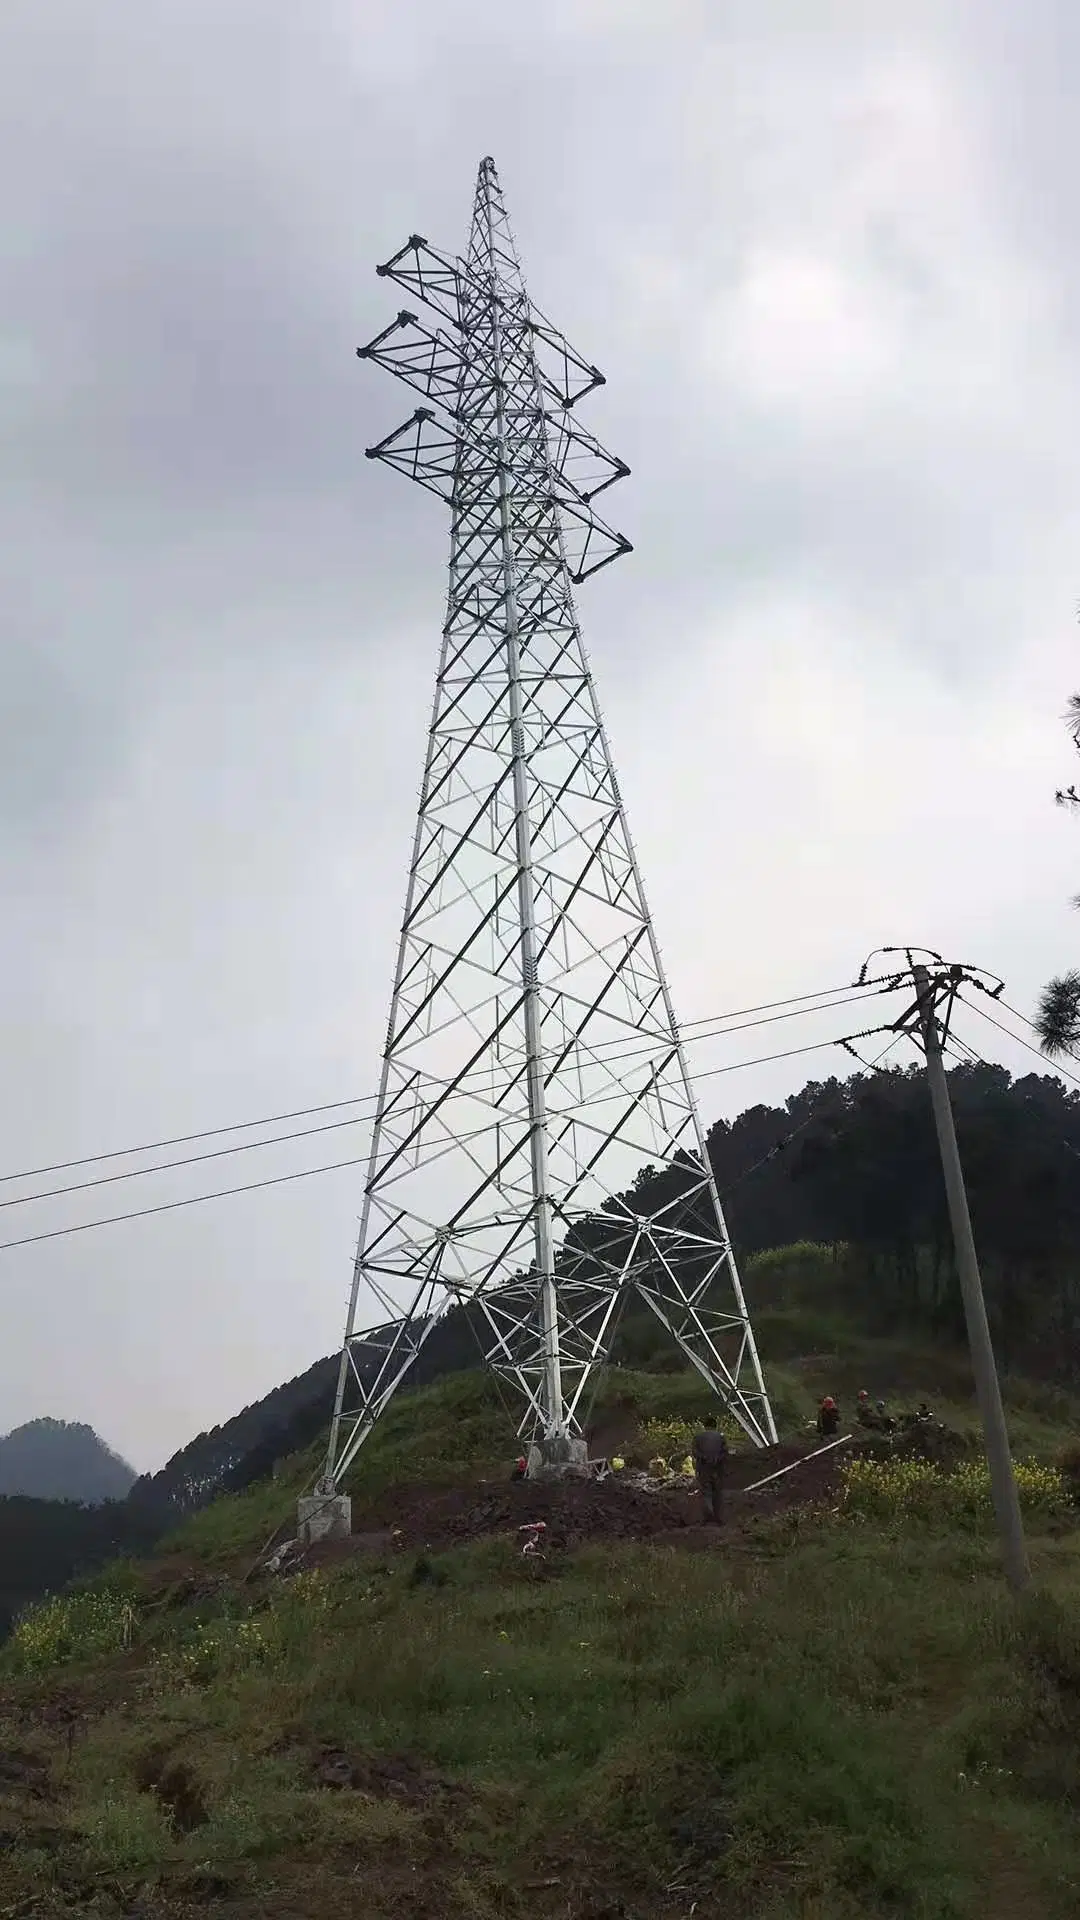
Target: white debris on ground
[
  {"x": 658, "y": 1477},
  {"x": 286, "y": 1558}
]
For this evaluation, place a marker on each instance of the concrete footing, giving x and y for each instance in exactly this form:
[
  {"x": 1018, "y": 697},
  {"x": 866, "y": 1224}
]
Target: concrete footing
[
  {"x": 557, "y": 1458},
  {"x": 324, "y": 1516}
]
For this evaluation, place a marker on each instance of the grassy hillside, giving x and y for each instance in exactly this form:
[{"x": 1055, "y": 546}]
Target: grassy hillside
[
  {"x": 822, "y": 1309},
  {"x": 462, "y": 1427},
  {"x": 823, "y": 1713}
]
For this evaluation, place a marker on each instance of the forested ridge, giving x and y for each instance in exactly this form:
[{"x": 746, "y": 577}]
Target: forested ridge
[
  {"x": 847, "y": 1164},
  {"x": 855, "y": 1162},
  {"x": 62, "y": 1460}
]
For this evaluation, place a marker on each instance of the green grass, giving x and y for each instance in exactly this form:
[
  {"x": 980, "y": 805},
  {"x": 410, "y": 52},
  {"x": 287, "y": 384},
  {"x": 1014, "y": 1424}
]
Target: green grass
[
  {"x": 439, "y": 1435},
  {"x": 830, "y": 1717},
  {"x": 840, "y": 1718}
]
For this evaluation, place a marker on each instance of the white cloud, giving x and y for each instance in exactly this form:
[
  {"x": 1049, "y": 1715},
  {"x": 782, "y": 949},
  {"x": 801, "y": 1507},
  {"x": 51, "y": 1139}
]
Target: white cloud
[{"x": 799, "y": 333}]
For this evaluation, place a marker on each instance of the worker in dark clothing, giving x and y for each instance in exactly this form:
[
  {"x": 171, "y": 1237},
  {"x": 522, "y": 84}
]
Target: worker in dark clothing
[
  {"x": 710, "y": 1459},
  {"x": 828, "y": 1420},
  {"x": 864, "y": 1412},
  {"x": 922, "y": 1417},
  {"x": 521, "y": 1467}
]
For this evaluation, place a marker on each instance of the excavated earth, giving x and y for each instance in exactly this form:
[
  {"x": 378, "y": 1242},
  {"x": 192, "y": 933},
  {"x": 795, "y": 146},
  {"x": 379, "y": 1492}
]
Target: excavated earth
[{"x": 577, "y": 1511}]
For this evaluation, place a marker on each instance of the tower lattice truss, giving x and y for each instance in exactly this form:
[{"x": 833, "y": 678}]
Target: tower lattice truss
[{"x": 533, "y": 1068}]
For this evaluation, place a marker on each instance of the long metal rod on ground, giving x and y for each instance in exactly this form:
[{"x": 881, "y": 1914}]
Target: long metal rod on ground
[{"x": 790, "y": 1468}]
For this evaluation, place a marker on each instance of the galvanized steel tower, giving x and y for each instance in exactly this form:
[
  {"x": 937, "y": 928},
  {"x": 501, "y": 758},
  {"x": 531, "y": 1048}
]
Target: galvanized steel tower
[{"x": 533, "y": 1066}]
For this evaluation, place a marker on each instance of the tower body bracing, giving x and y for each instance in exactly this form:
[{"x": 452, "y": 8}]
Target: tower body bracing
[{"x": 533, "y": 1068}]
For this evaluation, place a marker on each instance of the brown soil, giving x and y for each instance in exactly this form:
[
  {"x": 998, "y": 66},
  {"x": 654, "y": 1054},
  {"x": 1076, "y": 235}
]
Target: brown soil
[
  {"x": 53, "y": 1707},
  {"x": 177, "y": 1580},
  {"x": 175, "y": 1788},
  {"x": 386, "y": 1776},
  {"x": 576, "y": 1511},
  {"x": 24, "y": 1772}
]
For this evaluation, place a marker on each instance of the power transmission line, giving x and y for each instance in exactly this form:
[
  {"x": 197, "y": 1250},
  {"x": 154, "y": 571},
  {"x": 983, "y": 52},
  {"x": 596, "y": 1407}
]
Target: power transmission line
[
  {"x": 1024, "y": 1018},
  {"x": 334, "y": 1166},
  {"x": 169, "y": 1206},
  {"x": 252, "y": 1146},
  {"x": 1049, "y": 1067},
  {"x": 825, "y": 995},
  {"x": 786, "y": 1139},
  {"x": 967, "y": 1055},
  {"x": 166, "y": 1166}
]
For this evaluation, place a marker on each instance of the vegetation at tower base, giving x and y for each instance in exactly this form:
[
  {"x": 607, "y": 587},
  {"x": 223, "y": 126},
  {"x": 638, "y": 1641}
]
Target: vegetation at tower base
[{"x": 831, "y": 1708}]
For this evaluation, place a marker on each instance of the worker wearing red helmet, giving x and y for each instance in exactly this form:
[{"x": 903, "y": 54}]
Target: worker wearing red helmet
[
  {"x": 864, "y": 1412},
  {"x": 828, "y": 1419}
]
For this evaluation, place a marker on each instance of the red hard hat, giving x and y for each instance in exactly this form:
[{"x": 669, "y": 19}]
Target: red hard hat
[
  {"x": 863, "y": 1395},
  {"x": 829, "y": 1401}
]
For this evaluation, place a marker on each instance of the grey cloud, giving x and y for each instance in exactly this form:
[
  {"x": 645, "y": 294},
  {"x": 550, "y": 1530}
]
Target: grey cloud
[{"x": 60, "y": 734}]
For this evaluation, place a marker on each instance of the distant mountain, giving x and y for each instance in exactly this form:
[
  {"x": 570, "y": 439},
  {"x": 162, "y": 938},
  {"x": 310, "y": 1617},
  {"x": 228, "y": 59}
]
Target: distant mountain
[{"x": 61, "y": 1460}]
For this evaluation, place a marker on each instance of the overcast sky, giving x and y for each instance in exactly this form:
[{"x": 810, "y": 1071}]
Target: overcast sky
[{"x": 827, "y": 257}]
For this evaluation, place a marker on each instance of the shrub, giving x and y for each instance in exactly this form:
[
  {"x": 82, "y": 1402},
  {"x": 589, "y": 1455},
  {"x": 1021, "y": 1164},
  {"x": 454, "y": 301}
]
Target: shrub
[
  {"x": 126, "y": 1835},
  {"x": 235, "y": 1643},
  {"x": 800, "y": 1254},
  {"x": 897, "y": 1492},
  {"x": 70, "y": 1626},
  {"x": 217, "y": 1648},
  {"x": 668, "y": 1439},
  {"x": 673, "y": 1439}
]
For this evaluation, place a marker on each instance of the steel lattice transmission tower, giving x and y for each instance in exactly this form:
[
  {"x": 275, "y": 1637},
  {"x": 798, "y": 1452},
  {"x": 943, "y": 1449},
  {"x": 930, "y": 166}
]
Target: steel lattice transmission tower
[{"x": 533, "y": 1067}]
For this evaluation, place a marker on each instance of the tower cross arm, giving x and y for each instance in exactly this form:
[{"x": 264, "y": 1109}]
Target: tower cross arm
[
  {"x": 584, "y": 467},
  {"x": 569, "y": 377},
  {"x": 430, "y": 361},
  {"x": 427, "y": 449},
  {"x": 448, "y": 286},
  {"x": 429, "y": 276},
  {"x": 424, "y": 450}
]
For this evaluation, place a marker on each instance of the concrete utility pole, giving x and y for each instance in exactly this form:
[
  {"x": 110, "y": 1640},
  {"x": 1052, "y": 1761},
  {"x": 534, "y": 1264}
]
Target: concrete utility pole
[{"x": 987, "y": 1387}]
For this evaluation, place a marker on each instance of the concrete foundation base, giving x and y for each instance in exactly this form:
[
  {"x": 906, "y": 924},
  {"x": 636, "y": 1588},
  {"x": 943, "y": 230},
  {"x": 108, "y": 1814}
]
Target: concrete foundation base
[
  {"x": 324, "y": 1516},
  {"x": 556, "y": 1458}
]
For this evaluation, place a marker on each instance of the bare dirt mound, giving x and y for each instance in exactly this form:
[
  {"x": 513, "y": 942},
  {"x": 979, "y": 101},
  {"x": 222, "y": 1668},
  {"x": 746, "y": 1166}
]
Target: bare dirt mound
[
  {"x": 578, "y": 1511},
  {"x": 573, "y": 1512}
]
